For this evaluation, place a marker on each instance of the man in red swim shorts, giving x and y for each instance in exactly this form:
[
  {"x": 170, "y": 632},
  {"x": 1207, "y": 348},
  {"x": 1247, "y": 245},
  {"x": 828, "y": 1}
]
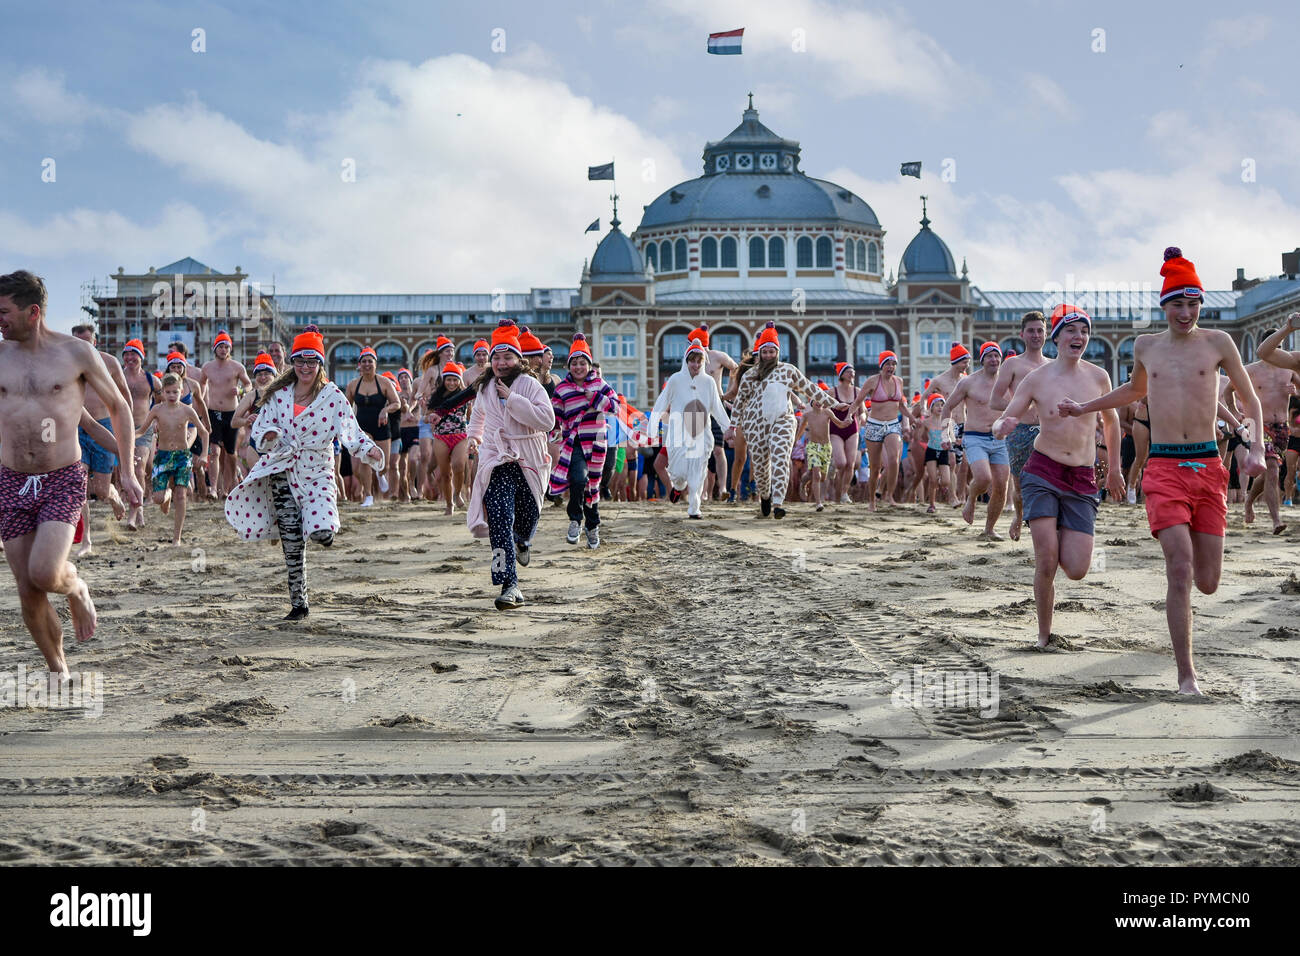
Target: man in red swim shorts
[
  {"x": 43, "y": 380},
  {"x": 1185, "y": 482}
]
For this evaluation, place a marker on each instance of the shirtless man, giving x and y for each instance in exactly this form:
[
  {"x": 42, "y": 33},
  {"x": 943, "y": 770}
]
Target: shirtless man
[
  {"x": 988, "y": 457},
  {"x": 1020, "y": 443},
  {"x": 943, "y": 384},
  {"x": 142, "y": 386},
  {"x": 225, "y": 379},
  {"x": 276, "y": 351},
  {"x": 1059, "y": 482},
  {"x": 1185, "y": 482},
  {"x": 1271, "y": 351},
  {"x": 99, "y": 461},
  {"x": 1274, "y": 384},
  {"x": 43, "y": 379}
]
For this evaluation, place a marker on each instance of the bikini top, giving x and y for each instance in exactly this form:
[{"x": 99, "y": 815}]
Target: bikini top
[{"x": 878, "y": 395}]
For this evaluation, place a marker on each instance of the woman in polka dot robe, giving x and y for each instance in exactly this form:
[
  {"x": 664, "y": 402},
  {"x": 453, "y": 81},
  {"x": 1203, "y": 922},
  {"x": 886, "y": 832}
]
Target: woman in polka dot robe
[{"x": 292, "y": 485}]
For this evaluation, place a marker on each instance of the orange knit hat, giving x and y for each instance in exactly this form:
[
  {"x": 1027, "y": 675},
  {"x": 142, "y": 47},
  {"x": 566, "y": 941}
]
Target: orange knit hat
[
  {"x": 700, "y": 335},
  {"x": 135, "y": 345},
  {"x": 263, "y": 363},
  {"x": 768, "y": 337},
  {"x": 579, "y": 347},
  {"x": 506, "y": 336},
  {"x": 482, "y": 346},
  {"x": 222, "y": 336},
  {"x": 309, "y": 342},
  {"x": 530, "y": 343},
  {"x": 1180, "y": 277},
  {"x": 957, "y": 353}
]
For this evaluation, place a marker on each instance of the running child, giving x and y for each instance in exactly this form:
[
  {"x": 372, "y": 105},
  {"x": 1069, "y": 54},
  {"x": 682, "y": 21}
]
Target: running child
[{"x": 172, "y": 464}]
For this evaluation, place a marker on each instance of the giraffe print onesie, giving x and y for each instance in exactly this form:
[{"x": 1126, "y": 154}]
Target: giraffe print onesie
[{"x": 764, "y": 411}]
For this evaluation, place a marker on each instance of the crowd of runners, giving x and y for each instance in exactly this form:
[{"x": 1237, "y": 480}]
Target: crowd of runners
[{"x": 1013, "y": 441}]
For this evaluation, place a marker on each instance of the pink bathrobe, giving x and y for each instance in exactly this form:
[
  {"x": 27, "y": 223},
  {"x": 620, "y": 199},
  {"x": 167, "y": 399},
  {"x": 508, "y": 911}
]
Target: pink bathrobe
[
  {"x": 513, "y": 430},
  {"x": 306, "y": 451}
]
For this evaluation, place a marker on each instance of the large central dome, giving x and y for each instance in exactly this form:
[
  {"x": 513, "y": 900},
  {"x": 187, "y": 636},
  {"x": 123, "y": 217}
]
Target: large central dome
[{"x": 752, "y": 175}]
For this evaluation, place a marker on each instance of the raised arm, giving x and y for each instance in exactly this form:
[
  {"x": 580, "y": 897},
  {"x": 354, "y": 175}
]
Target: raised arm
[
  {"x": 1271, "y": 351},
  {"x": 1230, "y": 360},
  {"x": 1133, "y": 390}
]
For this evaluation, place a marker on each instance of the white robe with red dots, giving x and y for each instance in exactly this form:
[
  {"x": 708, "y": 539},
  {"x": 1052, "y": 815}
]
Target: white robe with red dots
[{"x": 305, "y": 451}]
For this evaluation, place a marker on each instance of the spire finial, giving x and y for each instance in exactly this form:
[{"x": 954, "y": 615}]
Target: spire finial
[
  {"x": 925, "y": 218},
  {"x": 751, "y": 101},
  {"x": 963, "y": 267},
  {"x": 614, "y": 223}
]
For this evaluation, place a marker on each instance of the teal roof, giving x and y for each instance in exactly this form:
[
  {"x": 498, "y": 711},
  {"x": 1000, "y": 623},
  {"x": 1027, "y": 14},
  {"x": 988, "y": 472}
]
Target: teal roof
[{"x": 927, "y": 256}]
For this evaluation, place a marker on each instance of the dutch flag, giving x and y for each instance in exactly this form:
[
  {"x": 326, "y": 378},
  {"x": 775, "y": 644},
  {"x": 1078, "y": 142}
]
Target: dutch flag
[{"x": 726, "y": 43}]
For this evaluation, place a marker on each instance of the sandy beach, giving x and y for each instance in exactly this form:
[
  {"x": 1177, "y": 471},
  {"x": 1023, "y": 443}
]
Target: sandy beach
[{"x": 724, "y": 691}]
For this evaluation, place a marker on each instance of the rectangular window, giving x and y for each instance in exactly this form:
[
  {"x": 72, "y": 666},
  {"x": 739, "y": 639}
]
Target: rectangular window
[
  {"x": 822, "y": 348},
  {"x": 627, "y": 387},
  {"x": 609, "y": 347},
  {"x": 870, "y": 345},
  {"x": 629, "y": 346},
  {"x": 928, "y": 344}
]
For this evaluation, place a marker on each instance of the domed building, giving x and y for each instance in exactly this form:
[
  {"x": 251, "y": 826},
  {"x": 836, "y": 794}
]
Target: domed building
[{"x": 755, "y": 239}]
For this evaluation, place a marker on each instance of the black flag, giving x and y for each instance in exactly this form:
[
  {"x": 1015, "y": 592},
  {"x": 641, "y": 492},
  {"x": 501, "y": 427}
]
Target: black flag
[
  {"x": 594, "y": 227},
  {"x": 910, "y": 169},
  {"x": 601, "y": 172}
]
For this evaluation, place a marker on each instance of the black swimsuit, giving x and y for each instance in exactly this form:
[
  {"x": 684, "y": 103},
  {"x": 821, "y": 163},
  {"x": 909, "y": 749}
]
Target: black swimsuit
[{"x": 368, "y": 409}]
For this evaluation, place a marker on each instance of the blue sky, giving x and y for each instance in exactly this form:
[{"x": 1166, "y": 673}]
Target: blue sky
[{"x": 470, "y": 161}]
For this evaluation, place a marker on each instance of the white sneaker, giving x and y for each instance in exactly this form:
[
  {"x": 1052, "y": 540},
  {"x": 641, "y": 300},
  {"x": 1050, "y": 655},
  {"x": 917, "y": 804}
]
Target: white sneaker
[
  {"x": 1132, "y": 496},
  {"x": 575, "y": 530},
  {"x": 368, "y": 502},
  {"x": 844, "y": 499},
  {"x": 383, "y": 484}
]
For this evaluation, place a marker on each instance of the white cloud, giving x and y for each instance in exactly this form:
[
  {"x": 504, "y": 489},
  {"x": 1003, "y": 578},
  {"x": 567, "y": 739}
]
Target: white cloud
[
  {"x": 1234, "y": 33},
  {"x": 861, "y": 52},
  {"x": 1047, "y": 92},
  {"x": 109, "y": 236},
  {"x": 44, "y": 97},
  {"x": 469, "y": 176}
]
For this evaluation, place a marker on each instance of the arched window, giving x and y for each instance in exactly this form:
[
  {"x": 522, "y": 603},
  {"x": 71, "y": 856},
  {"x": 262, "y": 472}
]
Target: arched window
[
  {"x": 652, "y": 255},
  {"x": 679, "y": 254},
  {"x": 776, "y": 253},
  {"x": 803, "y": 253},
  {"x": 465, "y": 353},
  {"x": 873, "y": 258},
  {"x": 666, "y": 256},
  {"x": 757, "y": 253},
  {"x": 560, "y": 350},
  {"x": 1012, "y": 344},
  {"x": 867, "y": 346},
  {"x": 862, "y": 255},
  {"x": 343, "y": 363},
  {"x": 728, "y": 252},
  {"x": 1126, "y": 360},
  {"x": 708, "y": 253},
  {"x": 1098, "y": 353},
  {"x": 391, "y": 356},
  {"x": 672, "y": 348},
  {"x": 825, "y": 253},
  {"x": 823, "y": 347}
]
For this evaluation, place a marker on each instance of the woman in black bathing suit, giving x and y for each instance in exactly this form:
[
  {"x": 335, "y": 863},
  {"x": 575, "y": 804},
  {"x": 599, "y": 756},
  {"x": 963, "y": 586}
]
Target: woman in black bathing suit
[
  {"x": 1141, "y": 446},
  {"x": 374, "y": 398}
]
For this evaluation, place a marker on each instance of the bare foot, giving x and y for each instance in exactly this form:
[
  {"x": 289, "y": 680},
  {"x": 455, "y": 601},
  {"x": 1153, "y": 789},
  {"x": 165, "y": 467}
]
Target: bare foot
[
  {"x": 1250, "y": 511},
  {"x": 989, "y": 536},
  {"x": 447, "y": 510},
  {"x": 1014, "y": 531},
  {"x": 1190, "y": 687},
  {"x": 968, "y": 512},
  {"x": 176, "y": 542},
  {"x": 84, "y": 550},
  {"x": 1279, "y": 529},
  {"x": 1044, "y": 641},
  {"x": 83, "y": 612},
  {"x": 115, "y": 502},
  {"x": 166, "y": 504}
]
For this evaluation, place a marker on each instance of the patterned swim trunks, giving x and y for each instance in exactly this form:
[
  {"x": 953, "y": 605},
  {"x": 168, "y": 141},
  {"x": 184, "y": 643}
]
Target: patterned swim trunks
[
  {"x": 30, "y": 500},
  {"x": 1020, "y": 445},
  {"x": 1276, "y": 439},
  {"x": 819, "y": 456},
  {"x": 171, "y": 465},
  {"x": 876, "y": 431}
]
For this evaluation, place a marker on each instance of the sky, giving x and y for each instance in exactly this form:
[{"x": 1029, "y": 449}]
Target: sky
[{"x": 437, "y": 147}]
